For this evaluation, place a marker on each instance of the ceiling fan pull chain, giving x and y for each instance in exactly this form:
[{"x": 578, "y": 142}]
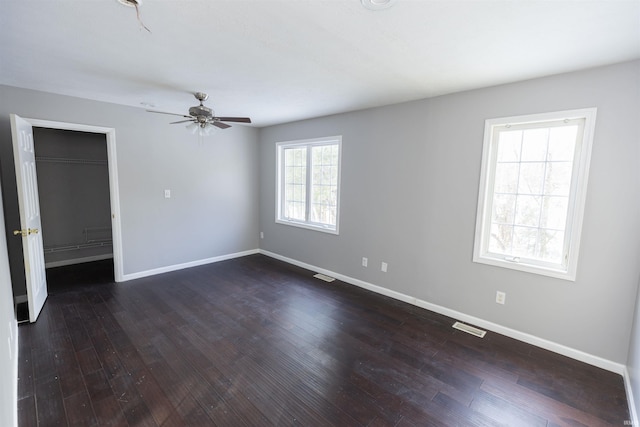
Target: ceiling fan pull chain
[{"x": 135, "y": 4}]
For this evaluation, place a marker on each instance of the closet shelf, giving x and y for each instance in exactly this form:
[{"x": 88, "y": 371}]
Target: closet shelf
[{"x": 75, "y": 247}]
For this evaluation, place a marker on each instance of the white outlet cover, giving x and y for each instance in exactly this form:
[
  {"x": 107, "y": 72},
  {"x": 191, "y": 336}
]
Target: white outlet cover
[
  {"x": 383, "y": 267},
  {"x": 167, "y": 194},
  {"x": 501, "y": 297}
]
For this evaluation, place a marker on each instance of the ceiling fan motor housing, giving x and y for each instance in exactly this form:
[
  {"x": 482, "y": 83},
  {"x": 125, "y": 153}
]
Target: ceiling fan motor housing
[
  {"x": 201, "y": 110},
  {"x": 203, "y": 116}
]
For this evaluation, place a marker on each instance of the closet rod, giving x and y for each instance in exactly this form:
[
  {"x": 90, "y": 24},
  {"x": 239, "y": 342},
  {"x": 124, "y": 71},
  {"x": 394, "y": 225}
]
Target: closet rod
[
  {"x": 76, "y": 247},
  {"x": 71, "y": 161}
]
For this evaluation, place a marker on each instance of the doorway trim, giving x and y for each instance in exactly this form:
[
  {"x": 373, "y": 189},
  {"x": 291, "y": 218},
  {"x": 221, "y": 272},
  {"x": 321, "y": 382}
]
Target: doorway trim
[{"x": 114, "y": 193}]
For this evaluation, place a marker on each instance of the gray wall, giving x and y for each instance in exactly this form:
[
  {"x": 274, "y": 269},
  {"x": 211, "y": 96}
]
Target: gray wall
[
  {"x": 8, "y": 339},
  {"x": 410, "y": 175},
  {"x": 74, "y": 194},
  {"x": 213, "y": 208}
]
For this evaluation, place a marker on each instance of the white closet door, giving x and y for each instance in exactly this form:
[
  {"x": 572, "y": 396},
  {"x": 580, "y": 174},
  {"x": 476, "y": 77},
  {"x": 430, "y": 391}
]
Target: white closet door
[{"x": 32, "y": 246}]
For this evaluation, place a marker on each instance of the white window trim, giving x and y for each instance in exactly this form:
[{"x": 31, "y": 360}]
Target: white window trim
[
  {"x": 576, "y": 212},
  {"x": 280, "y": 176}
]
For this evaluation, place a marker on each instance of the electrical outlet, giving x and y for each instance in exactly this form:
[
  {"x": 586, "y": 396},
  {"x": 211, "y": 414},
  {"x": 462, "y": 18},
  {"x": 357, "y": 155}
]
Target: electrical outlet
[
  {"x": 167, "y": 194},
  {"x": 261, "y": 235},
  {"x": 501, "y": 297},
  {"x": 365, "y": 261},
  {"x": 383, "y": 267}
]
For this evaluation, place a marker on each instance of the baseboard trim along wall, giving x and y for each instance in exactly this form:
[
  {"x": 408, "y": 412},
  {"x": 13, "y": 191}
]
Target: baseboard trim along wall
[
  {"x": 512, "y": 333},
  {"x": 77, "y": 260},
  {"x": 633, "y": 414},
  {"x": 189, "y": 264},
  {"x": 13, "y": 342}
]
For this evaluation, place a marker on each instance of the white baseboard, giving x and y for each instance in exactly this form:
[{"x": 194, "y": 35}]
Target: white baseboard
[
  {"x": 600, "y": 362},
  {"x": 14, "y": 349},
  {"x": 633, "y": 414},
  {"x": 189, "y": 264},
  {"x": 73, "y": 261}
]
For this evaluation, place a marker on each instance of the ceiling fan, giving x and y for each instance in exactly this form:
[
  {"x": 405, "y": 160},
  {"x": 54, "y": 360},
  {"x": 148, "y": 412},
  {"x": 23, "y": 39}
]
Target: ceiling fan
[{"x": 201, "y": 116}]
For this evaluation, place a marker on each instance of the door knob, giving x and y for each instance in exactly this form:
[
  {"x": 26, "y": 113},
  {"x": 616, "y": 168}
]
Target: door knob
[{"x": 25, "y": 233}]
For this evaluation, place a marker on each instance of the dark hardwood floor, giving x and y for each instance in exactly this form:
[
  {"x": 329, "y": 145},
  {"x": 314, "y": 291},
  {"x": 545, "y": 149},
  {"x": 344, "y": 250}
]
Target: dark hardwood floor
[{"x": 256, "y": 342}]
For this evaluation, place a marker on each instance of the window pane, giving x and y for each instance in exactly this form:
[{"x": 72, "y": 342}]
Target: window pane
[
  {"x": 294, "y": 210},
  {"x": 506, "y": 178},
  {"x": 528, "y": 210},
  {"x": 554, "y": 212},
  {"x": 500, "y": 239},
  {"x": 504, "y": 206},
  {"x": 531, "y": 178},
  {"x": 295, "y": 177},
  {"x": 557, "y": 181},
  {"x": 530, "y": 199},
  {"x": 534, "y": 144},
  {"x": 324, "y": 191},
  {"x": 509, "y": 146},
  {"x": 551, "y": 246},
  {"x": 524, "y": 242},
  {"x": 562, "y": 143}
]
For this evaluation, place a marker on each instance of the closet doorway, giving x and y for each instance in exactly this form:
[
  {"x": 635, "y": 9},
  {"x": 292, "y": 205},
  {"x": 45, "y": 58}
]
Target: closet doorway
[
  {"x": 28, "y": 201},
  {"x": 109, "y": 136},
  {"x": 73, "y": 188}
]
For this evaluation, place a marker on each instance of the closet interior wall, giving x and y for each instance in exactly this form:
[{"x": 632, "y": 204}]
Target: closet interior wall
[{"x": 73, "y": 185}]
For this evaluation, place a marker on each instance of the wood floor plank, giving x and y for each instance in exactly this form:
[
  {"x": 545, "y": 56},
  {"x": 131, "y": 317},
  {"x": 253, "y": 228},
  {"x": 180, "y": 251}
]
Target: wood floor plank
[
  {"x": 79, "y": 410},
  {"x": 49, "y": 403},
  {"x": 26, "y": 382},
  {"x": 503, "y": 411},
  {"x": 27, "y": 413},
  {"x": 554, "y": 411},
  {"x": 70, "y": 373},
  {"x": 134, "y": 408},
  {"x": 108, "y": 412},
  {"x": 257, "y": 342}
]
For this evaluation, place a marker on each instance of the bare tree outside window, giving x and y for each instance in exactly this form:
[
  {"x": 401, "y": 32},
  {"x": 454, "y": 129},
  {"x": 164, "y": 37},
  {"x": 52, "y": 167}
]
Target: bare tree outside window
[{"x": 531, "y": 198}]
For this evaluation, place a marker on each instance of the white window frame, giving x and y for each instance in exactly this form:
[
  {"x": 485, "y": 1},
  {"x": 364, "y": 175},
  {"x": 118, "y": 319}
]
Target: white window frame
[
  {"x": 308, "y": 143},
  {"x": 577, "y": 196}
]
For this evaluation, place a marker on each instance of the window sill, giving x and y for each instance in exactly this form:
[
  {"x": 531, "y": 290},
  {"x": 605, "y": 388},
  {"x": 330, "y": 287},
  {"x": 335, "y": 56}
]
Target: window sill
[
  {"x": 323, "y": 229},
  {"x": 557, "y": 273}
]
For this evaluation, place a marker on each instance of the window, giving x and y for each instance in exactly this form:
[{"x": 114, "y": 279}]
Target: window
[
  {"x": 532, "y": 191},
  {"x": 309, "y": 183}
]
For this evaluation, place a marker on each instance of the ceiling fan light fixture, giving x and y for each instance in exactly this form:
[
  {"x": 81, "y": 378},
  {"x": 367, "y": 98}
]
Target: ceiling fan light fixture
[
  {"x": 193, "y": 127},
  {"x": 207, "y": 130},
  {"x": 377, "y": 4},
  {"x": 202, "y": 119}
]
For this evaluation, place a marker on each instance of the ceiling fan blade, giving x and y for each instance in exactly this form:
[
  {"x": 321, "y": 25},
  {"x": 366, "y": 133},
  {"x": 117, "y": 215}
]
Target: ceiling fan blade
[
  {"x": 171, "y": 114},
  {"x": 234, "y": 119},
  {"x": 182, "y": 121},
  {"x": 220, "y": 125}
]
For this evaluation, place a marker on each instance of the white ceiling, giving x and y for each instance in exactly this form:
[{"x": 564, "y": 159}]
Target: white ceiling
[{"x": 280, "y": 61}]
